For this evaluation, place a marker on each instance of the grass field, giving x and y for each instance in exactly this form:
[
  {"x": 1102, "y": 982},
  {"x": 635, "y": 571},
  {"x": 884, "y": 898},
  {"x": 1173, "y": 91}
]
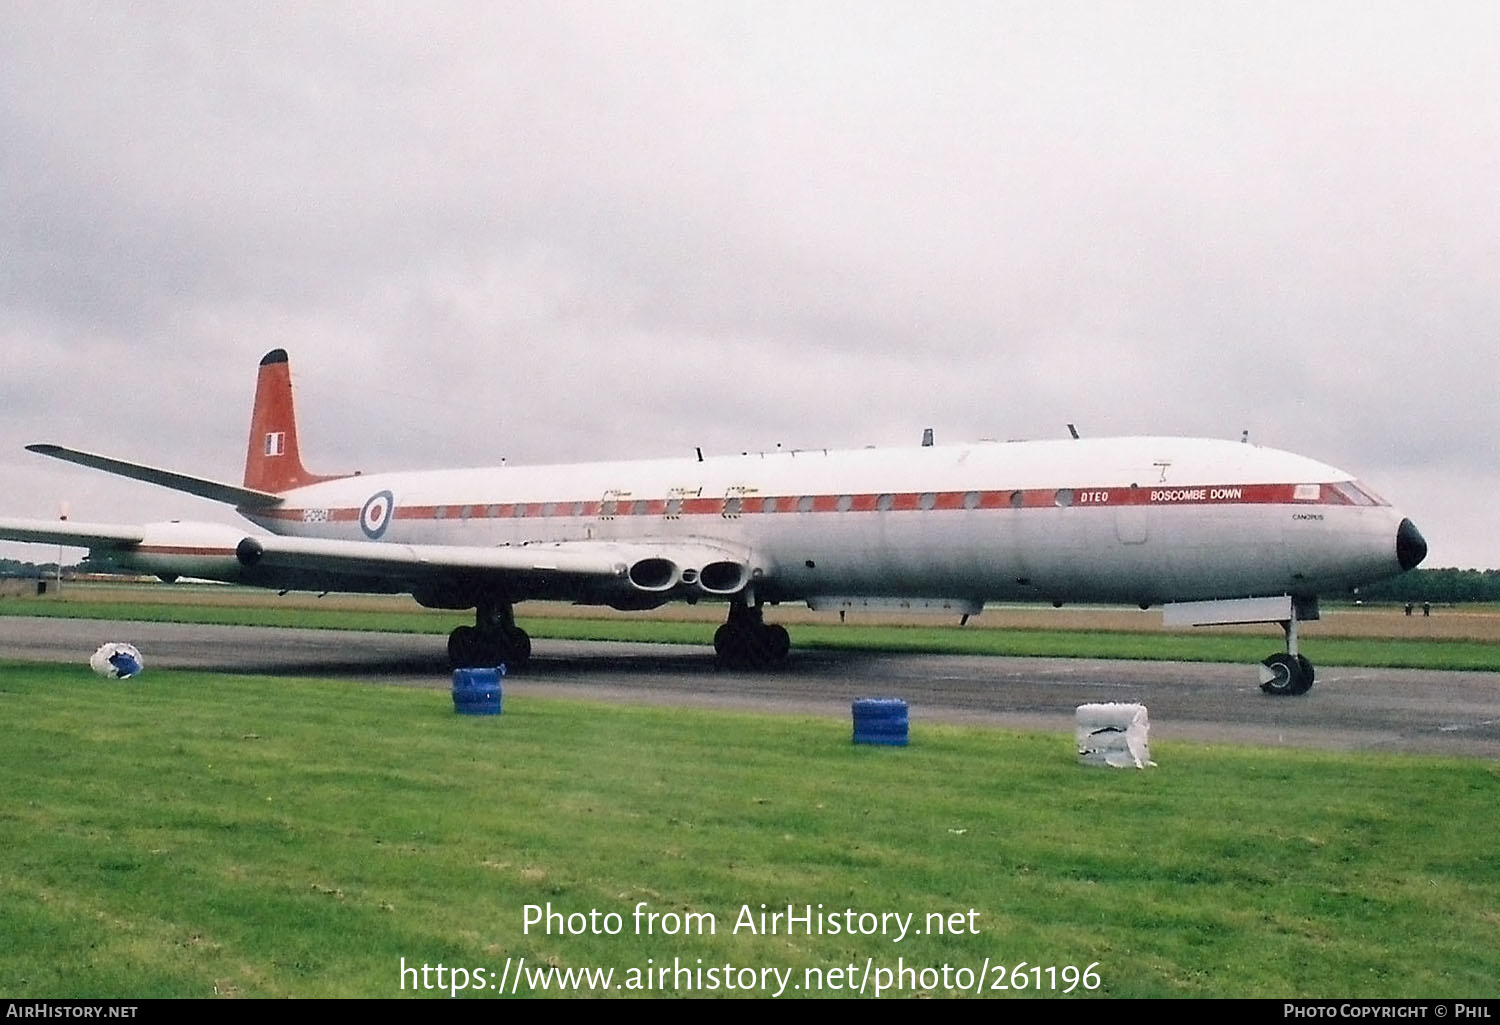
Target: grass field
[{"x": 197, "y": 835}]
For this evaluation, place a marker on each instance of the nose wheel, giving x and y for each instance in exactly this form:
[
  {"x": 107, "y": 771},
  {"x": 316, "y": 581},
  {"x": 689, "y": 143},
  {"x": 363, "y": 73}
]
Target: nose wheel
[
  {"x": 1290, "y": 673},
  {"x": 1286, "y": 675}
]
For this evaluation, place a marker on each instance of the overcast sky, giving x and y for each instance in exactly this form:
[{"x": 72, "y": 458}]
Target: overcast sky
[{"x": 567, "y": 231}]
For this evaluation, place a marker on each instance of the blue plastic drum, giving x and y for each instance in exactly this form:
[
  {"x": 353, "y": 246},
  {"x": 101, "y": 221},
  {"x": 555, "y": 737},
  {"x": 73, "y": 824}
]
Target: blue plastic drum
[
  {"x": 477, "y": 691},
  {"x": 881, "y": 721}
]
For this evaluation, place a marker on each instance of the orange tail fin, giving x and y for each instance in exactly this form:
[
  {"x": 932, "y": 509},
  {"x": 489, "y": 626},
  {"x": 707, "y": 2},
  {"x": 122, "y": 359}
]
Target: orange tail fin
[{"x": 273, "y": 461}]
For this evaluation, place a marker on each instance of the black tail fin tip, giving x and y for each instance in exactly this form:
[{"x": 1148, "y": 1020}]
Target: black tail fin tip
[{"x": 274, "y": 356}]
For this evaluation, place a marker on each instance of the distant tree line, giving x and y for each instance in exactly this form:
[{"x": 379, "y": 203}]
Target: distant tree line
[
  {"x": 1439, "y": 586},
  {"x": 104, "y": 562},
  {"x": 13, "y": 569}
]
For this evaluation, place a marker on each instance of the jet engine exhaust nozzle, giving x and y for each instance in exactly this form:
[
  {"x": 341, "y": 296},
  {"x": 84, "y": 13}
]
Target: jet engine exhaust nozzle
[
  {"x": 723, "y": 578},
  {"x": 654, "y": 574}
]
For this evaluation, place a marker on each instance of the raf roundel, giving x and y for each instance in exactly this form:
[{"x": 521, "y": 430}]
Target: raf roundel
[{"x": 376, "y": 515}]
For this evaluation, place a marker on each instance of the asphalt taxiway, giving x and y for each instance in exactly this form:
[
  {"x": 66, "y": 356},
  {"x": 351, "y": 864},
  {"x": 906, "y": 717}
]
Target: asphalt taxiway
[{"x": 1402, "y": 710}]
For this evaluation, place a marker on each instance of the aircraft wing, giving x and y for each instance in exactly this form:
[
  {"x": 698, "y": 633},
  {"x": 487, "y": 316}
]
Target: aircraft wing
[
  {"x": 167, "y": 550},
  {"x": 638, "y": 574},
  {"x": 625, "y": 574},
  {"x": 75, "y": 535},
  {"x": 217, "y": 491}
]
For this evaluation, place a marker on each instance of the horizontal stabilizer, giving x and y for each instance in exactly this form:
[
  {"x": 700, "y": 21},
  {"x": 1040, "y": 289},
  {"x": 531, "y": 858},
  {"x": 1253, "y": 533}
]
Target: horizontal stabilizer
[{"x": 213, "y": 490}]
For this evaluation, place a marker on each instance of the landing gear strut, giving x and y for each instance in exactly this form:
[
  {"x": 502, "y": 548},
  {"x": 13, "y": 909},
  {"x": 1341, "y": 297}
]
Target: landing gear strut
[
  {"x": 494, "y": 639},
  {"x": 745, "y": 641},
  {"x": 1290, "y": 673}
]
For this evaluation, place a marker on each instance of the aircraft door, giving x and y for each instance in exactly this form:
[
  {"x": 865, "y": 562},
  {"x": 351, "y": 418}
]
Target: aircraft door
[
  {"x": 1131, "y": 524},
  {"x": 1133, "y": 560}
]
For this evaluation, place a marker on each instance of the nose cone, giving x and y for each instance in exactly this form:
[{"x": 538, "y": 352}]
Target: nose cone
[{"x": 1411, "y": 546}]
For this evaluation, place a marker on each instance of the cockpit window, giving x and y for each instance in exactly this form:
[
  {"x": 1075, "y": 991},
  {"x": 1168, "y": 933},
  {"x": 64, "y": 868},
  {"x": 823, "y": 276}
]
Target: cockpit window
[{"x": 1356, "y": 495}]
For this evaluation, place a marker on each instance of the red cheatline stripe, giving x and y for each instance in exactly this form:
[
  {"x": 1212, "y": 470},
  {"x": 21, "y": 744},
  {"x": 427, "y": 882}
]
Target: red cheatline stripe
[
  {"x": 183, "y": 550},
  {"x": 734, "y": 506}
]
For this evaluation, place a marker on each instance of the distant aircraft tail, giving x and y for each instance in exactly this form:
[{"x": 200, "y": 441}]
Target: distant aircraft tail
[{"x": 273, "y": 461}]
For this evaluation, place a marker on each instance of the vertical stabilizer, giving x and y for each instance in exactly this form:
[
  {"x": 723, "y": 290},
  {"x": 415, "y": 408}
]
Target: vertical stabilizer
[{"x": 273, "y": 461}]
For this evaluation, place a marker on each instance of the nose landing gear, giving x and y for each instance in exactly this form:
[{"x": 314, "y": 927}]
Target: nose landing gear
[
  {"x": 1290, "y": 673},
  {"x": 1281, "y": 674},
  {"x": 1286, "y": 675}
]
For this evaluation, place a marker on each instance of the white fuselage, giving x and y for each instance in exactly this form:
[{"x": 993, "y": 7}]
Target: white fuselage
[{"x": 1146, "y": 520}]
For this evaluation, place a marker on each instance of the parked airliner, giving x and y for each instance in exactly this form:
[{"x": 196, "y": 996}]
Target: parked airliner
[{"x": 1214, "y": 531}]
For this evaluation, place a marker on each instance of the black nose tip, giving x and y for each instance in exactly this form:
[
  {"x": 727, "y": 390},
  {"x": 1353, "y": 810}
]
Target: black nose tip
[{"x": 1411, "y": 546}]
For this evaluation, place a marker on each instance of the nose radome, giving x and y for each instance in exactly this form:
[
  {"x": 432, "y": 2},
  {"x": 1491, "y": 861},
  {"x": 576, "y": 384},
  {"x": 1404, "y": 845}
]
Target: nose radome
[{"x": 1411, "y": 546}]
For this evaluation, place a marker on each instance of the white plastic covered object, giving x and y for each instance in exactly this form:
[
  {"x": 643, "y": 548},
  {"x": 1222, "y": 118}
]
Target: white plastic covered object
[
  {"x": 116, "y": 661},
  {"x": 1113, "y": 734}
]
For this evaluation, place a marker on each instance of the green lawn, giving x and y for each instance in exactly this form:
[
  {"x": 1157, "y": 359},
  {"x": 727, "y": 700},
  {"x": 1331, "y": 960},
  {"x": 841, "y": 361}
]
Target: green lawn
[{"x": 188, "y": 834}]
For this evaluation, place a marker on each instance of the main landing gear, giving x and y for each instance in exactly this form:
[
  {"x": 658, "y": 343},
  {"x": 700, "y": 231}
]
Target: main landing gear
[
  {"x": 494, "y": 639},
  {"x": 745, "y": 641},
  {"x": 1290, "y": 673}
]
